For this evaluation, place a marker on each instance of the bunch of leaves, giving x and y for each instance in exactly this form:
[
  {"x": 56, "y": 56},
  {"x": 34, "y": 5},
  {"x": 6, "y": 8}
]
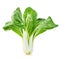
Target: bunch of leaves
[{"x": 29, "y": 23}]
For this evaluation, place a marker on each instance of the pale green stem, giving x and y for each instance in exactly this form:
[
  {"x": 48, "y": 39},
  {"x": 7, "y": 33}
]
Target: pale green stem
[{"x": 27, "y": 46}]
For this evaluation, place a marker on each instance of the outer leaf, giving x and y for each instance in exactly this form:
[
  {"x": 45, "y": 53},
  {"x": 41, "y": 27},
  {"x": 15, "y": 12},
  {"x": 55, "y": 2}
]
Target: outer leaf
[
  {"x": 30, "y": 17},
  {"x": 38, "y": 21},
  {"x": 50, "y": 23},
  {"x": 8, "y": 26},
  {"x": 44, "y": 25},
  {"x": 17, "y": 30},
  {"x": 17, "y": 18},
  {"x": 16, "y": 24}
]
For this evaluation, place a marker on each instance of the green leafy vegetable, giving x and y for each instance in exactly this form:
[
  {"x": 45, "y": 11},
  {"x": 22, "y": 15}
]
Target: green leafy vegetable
[{"x": 28, "y": 26}]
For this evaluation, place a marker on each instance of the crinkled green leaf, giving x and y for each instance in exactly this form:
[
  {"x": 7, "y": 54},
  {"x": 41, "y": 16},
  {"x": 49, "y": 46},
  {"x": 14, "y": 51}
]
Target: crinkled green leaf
[
  {"x": 50, "y": 23},
  {"x": 17, "y": 18},
  {"x": 44, "y": 25},
  {"x": 17, "y": 30},
  {"x": 16, "y": 24},
  {"x": 8, "y": 26},
  {"x": 29, "y": 17}
]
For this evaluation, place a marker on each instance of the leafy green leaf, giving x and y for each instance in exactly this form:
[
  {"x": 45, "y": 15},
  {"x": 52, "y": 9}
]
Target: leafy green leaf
[
  {"x": 17, "y": 30},
  {"x": 17, "y": 18},
  {"x": 29, "y": 17},
  {"x": 16, "y": 24},
  {"x": 50, "y": 23},
  {"x": 44, "y": 25},
  {"x": 8, "y": 26}
]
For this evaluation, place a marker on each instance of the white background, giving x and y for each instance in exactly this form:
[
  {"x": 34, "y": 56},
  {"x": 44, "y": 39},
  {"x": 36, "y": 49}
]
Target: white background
[{"x": 46, "y": 45}]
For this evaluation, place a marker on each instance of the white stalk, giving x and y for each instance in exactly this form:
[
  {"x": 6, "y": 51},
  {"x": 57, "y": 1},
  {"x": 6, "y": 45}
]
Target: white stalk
[{"x": 27, "y": 47}]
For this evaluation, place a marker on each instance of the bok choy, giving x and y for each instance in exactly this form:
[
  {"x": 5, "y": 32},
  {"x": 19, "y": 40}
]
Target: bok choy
[{"x": 28, "y": 26}]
